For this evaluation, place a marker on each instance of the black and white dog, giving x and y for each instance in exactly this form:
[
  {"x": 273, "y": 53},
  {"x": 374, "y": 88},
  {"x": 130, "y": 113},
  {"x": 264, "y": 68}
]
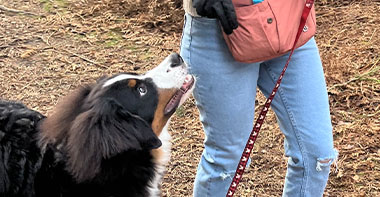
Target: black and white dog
[{"x": 105, "y": 139}]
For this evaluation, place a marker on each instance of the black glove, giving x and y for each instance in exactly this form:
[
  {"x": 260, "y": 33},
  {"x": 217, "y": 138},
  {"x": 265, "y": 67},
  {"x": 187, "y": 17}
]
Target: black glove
[{"x": 221, "y": 9}]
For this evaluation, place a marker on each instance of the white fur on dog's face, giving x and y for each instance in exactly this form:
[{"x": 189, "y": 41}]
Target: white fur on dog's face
[{"x": 165, "y": 76}]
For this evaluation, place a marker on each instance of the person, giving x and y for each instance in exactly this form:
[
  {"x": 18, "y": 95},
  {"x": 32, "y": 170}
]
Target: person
[{"x": 225, "y": 97}]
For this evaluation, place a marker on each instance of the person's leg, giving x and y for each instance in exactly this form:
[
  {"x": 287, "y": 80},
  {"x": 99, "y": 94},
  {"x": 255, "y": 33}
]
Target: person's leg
[
  {"x": 302, "y": 109},
  {"x": 225, "y": 96}
]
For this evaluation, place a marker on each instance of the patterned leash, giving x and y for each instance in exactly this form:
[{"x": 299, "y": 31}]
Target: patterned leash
[{"x": 256, "y": 128}]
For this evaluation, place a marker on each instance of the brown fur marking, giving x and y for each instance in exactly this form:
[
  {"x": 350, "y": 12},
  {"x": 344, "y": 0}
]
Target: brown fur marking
[
  {"x": 160, "y": 118},
  {"x": 132, "y": 83},
  {"x": 157, "y": 154}
]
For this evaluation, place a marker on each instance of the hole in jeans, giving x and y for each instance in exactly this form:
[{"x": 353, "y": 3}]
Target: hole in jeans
[
  {"x": 225, "y": 175},
  {"x": 326, "y": 162}
]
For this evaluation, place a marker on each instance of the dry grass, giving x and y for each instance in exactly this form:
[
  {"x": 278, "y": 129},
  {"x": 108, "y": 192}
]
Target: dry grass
[{"x": 53, "y": 46}]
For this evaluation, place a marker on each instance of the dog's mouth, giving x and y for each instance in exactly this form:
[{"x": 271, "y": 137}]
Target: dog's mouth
[{"x": 174, "y": 102}]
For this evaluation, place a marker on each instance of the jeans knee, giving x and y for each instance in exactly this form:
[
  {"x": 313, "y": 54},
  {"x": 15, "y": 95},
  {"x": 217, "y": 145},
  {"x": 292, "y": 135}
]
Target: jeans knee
[{"x": 319, "y": 162}]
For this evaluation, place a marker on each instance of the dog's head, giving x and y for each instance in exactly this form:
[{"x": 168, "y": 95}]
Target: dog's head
[{"x": 119, "y": 113}]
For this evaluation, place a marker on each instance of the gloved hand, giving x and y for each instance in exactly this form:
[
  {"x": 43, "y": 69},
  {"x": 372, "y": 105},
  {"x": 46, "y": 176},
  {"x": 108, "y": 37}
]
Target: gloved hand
[{"x": 221, "y": 9}]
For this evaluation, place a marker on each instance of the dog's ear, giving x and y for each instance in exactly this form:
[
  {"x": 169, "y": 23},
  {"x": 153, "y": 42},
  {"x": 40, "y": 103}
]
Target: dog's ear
[
  {"x": 103, "y": 131},
  {"x": 135, "y": 132},
  {"x": 140, "y": 132}
]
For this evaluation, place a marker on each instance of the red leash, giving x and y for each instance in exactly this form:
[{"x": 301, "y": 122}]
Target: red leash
[{"x": 256, "y": 128}]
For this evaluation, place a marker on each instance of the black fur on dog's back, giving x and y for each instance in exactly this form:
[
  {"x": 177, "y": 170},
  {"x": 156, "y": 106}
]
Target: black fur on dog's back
[{"x": 20, "y": 157}]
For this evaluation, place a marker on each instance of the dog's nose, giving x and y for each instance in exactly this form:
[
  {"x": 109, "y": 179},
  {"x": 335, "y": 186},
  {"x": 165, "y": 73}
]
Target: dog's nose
[{"x": 176, "y": 60}]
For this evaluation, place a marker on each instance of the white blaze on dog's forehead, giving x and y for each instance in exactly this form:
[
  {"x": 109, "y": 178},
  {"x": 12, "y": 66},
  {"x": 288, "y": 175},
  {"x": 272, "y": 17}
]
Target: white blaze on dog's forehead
[
  {"x": 120, "y": 78},
  {"x": 164, "y": 76}
]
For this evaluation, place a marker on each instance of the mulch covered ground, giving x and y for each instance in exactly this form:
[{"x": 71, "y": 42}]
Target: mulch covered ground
[{"x": 50, "y": 47}]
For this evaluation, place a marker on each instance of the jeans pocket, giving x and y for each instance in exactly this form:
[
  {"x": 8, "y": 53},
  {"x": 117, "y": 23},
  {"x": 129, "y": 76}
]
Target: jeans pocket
[
  {"x": 183, "y": 29},
  {"x": 186, "y": 39}
]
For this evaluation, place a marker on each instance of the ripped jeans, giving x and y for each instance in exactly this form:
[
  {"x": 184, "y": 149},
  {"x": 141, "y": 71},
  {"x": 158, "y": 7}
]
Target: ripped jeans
[{"x": 225, "y": 96}]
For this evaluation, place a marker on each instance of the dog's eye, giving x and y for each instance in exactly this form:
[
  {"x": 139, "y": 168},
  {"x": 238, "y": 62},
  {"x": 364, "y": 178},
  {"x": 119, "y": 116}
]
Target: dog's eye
[{"x": 142, "y": 90}]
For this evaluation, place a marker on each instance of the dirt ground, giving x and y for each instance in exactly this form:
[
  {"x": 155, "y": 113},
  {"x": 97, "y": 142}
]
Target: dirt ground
[{"x": 50, "y": 47}]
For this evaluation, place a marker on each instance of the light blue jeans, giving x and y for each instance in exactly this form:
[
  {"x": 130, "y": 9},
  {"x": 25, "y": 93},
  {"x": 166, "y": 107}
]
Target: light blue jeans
[{"x": 225, "y": 96}]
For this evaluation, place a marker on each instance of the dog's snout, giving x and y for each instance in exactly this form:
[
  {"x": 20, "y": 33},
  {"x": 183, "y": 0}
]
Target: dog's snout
[{"x": 176, "y": 60}]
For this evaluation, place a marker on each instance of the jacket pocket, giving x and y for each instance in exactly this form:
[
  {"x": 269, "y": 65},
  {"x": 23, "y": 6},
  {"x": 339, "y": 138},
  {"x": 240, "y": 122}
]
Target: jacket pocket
[{"x": 257, "y": 33}]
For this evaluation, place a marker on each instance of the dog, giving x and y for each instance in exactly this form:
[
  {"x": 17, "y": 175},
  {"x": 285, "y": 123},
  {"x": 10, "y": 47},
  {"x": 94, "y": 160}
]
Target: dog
[{"x": 109, "y": 138}]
